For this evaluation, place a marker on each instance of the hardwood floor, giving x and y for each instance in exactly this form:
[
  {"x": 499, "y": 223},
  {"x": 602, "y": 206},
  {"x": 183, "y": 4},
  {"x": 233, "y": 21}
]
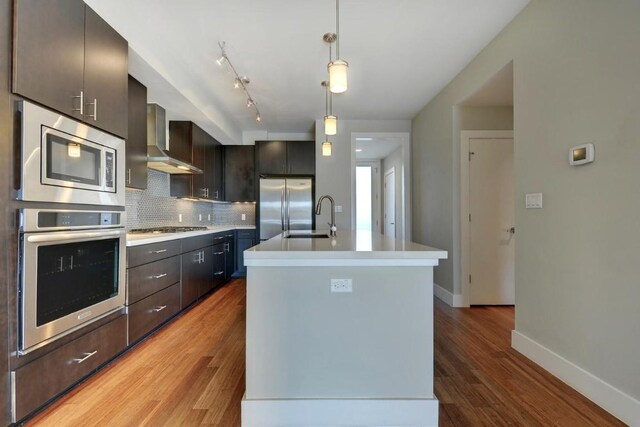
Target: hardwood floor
[{"x": 192, "y": 373}]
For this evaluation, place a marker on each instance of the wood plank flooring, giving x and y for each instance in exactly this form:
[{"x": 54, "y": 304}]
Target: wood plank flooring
[{"x": 192, "y": 373}]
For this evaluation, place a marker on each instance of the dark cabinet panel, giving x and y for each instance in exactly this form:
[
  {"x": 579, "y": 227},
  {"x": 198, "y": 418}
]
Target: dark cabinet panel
[
  {"x": 154, "y": 310},
  {"x": 136, "y": 146},
  {"x": 181, "y": 140},
  {"x": 239, "y": 173},
  {"x": 69, "y": 59},
  {"x": 138, "y": 255},
  {"x": 245, "y": 240},
  {"x": 271, "y": 157},
  {"x": 48, "y": 46},
  {"x": 229, "y": 254},
  {"x": 105, "y": 75},
  {"x": 218, "y": 276},
  {"x": 200, "y": 145},
  {"x": 49, "y": 375},
  {"x": 191, "y": 276},
  {"x": 301, "y": 157},
  {"x": 285, "y": 157},
  {"x": 216, "y": 170},
  {"x": 148, "y": 279}
]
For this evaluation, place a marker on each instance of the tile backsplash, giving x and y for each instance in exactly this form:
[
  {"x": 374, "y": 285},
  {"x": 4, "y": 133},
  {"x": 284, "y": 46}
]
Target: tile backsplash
[{"x": 154, "y": 207}]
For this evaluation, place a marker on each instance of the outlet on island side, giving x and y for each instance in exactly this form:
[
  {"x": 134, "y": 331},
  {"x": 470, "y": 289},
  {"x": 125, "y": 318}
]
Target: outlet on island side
[{"x": 341, "y": 285}]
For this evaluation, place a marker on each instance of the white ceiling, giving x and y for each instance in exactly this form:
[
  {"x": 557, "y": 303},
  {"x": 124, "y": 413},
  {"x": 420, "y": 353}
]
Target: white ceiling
[
  {"x": 401, "y": 53},
  {"x": 376, "y": 148}
]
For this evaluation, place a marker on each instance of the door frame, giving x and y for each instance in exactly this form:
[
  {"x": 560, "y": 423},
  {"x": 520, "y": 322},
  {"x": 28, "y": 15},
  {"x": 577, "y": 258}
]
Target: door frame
[
  {"x": 405, "y": 176},
  {"x": 391, "y": 170},
  {"x": 376, "y": 185},
  {"x": 465, "y": 136}
]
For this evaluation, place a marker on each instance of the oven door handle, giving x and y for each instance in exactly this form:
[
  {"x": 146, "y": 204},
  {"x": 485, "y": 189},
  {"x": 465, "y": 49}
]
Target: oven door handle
[{"x": 74, "y": 236}]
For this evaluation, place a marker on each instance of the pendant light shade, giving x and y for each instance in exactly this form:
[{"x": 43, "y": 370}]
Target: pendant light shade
[
  {"x": 326, "y": 148},
  {"x": 330, "y": 125},
  {"x": 338, "y": 74}
]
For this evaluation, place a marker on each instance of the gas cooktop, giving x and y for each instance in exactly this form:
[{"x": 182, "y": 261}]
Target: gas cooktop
[{"x": 159, "y": 230}]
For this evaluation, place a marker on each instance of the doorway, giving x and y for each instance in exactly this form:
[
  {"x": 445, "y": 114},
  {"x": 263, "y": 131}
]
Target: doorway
[
  {"x": 390, "y": 203},
  {"x": 487, "y": 218},
  {"x": 381, "y": 151}
]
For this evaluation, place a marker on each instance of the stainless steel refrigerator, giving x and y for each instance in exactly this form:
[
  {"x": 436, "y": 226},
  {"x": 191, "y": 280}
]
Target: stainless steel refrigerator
[{"x": 285, "y": 204}]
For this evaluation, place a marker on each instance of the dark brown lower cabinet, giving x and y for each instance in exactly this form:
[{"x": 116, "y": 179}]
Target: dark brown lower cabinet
[
  {"x": 219, "y": 272},
  {"x": 51, "y": 374},
  {"x": 196, "y": 273},
  {"x": 152, "y": 311}
]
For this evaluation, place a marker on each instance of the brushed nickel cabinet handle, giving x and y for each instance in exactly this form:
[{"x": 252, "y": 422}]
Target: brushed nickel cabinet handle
[
  {"x": 159, "y": 251},
  {"x": 81, "y": 109},
  {"x": 218, "y": 253},
  {"x": 219, "y": 273},
  {"x": 159, "y": 308},
  {"x": 159, "y": 276},
  {"x": 86, "y": 356},
  {"x": 94, "y": 116},
  {"x": 129, "y": 176}
]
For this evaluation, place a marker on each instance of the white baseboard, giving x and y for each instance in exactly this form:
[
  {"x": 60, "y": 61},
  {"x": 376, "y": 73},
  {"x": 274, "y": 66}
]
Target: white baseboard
[
  {"x": 618, "y": 403},
  {"x": 339, "y": 412},
  {"x": 453, "y": 300}
]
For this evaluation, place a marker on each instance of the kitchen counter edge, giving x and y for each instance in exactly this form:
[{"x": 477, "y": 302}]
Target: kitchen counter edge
[{"x": 145, "y": 239}]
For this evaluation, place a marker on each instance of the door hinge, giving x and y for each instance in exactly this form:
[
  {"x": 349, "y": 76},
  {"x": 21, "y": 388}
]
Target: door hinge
[
  {"x": 469, "y": 278},
  {"x": 469, "y": 217},
  {"x": 471, "y": 153}
]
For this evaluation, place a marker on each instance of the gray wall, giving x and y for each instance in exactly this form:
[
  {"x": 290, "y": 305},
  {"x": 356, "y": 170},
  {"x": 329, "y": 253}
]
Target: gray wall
[
  {"x": 485, "y": 118},
  {"x": 394, "y": 160},
  {"x": 576, "y": 68},
  {"x": 335, "y": 174}
]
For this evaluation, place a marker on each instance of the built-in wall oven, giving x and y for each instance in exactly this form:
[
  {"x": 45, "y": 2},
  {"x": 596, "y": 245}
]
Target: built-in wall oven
[
  {"x": 72, "y": 271},
  {"x": 66, "y": 161}
]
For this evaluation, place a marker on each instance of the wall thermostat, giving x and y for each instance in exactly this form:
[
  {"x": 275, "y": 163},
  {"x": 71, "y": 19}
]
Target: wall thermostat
[{"x": 581, "y": 154}]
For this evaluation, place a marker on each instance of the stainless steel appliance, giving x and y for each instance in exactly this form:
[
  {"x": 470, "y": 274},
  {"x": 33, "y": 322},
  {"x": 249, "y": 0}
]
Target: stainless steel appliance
[
  {"x": 72, "y": 271},
  {"x": 285, "y": 204},
  {"x": 66, "y": 161}
]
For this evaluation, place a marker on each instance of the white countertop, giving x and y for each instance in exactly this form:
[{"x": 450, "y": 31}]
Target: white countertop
[
  {"x": 348, "y": 248},
  {"x": 137, "y": 239}
]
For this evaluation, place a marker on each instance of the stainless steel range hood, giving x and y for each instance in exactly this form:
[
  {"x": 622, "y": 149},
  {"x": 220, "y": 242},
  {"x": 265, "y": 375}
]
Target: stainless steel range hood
[{"x": 157, "y": 158}]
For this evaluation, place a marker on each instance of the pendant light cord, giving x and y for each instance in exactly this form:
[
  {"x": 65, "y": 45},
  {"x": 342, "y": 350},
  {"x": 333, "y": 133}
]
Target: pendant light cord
[{"x": 337, "y": 29}]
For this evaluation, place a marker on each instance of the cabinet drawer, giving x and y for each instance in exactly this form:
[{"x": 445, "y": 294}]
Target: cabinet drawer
[
  {"x": 147, "y": 314},
  {"x": 44, "y": 378},
  {"x": 150, "y": 278},
  {"x": 198, "y": 242},
  {"x": 246, "y": 234},
  {"x": 138, "y": 255}
]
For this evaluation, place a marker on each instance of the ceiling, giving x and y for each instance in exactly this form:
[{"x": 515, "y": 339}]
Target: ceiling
[
  {"x": 376, "y": 148},
  {"x": 401, "y": 53}
]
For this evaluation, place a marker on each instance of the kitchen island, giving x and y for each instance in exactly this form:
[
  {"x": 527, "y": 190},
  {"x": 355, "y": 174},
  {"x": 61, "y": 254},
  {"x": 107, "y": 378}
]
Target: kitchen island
[{"x": 340, "y": 332}]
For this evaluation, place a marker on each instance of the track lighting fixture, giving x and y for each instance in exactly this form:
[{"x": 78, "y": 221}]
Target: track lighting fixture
[{"x": 240, "y": 82}]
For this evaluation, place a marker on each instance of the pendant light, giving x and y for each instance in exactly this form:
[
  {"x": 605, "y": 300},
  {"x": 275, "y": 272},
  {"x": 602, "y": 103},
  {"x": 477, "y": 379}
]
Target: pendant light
[
  {"x": 326, "y": 148},
  {"x": 338, "y": 68},
  {"x": 330, "y": 121}
]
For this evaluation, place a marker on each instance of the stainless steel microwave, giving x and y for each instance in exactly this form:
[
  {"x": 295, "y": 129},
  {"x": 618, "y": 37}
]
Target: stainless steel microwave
[{"x": 66, "y": 161}]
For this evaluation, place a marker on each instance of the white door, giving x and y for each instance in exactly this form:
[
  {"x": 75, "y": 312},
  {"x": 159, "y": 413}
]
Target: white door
[
  {"x": 491, "y": 236},
  {"x": 390, "y": 203}
]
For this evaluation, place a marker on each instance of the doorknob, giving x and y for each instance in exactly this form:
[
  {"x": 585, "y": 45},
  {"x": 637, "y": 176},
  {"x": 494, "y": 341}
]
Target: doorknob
[{"x": 512, "y": 230}]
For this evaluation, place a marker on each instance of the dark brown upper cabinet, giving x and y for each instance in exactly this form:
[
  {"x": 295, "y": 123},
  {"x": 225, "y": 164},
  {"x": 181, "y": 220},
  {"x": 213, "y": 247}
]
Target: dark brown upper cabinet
[
  {"x": 136, "y": 146},
  {"x": 285, "y": 157},
  {"x": 69, "y": 59},
  {"x": 189, "y": 143},
  {"x": 239, "y": 173}
]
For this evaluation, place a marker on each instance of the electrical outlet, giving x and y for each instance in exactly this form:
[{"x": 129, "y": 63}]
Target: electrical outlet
[
  {"x": 341, "y": 285},
  {"x": 338, "y": 208},
  {"x": 179, "y": 217},
  {"x": 244, "y": 217},
  {"x": 209, "y": 217},
  {"x": 199, "y": 217}
]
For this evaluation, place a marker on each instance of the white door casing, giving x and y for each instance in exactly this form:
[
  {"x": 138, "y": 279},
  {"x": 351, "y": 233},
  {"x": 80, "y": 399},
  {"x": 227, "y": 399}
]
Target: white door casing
[
  {"x": 491, "y": 209},
  {"x": 390, "y": 203}
]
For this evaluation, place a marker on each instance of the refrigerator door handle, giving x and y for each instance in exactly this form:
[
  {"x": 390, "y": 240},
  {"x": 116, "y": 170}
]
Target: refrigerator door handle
[
  {"x": 282, "y": 202},
  {"x": 288, "y": 209}
]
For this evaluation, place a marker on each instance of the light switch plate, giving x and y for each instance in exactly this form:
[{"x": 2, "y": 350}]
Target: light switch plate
[
  {"x": 244, "y": 217},
  {"x": 533, "y": 201},
  {"x": 179, "y": 217},
  {"x": 338, "y": 208}
]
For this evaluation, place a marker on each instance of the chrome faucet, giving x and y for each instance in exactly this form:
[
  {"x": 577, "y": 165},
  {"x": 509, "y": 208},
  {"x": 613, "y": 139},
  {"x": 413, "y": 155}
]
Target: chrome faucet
[{"x": 332, "y": 224}]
